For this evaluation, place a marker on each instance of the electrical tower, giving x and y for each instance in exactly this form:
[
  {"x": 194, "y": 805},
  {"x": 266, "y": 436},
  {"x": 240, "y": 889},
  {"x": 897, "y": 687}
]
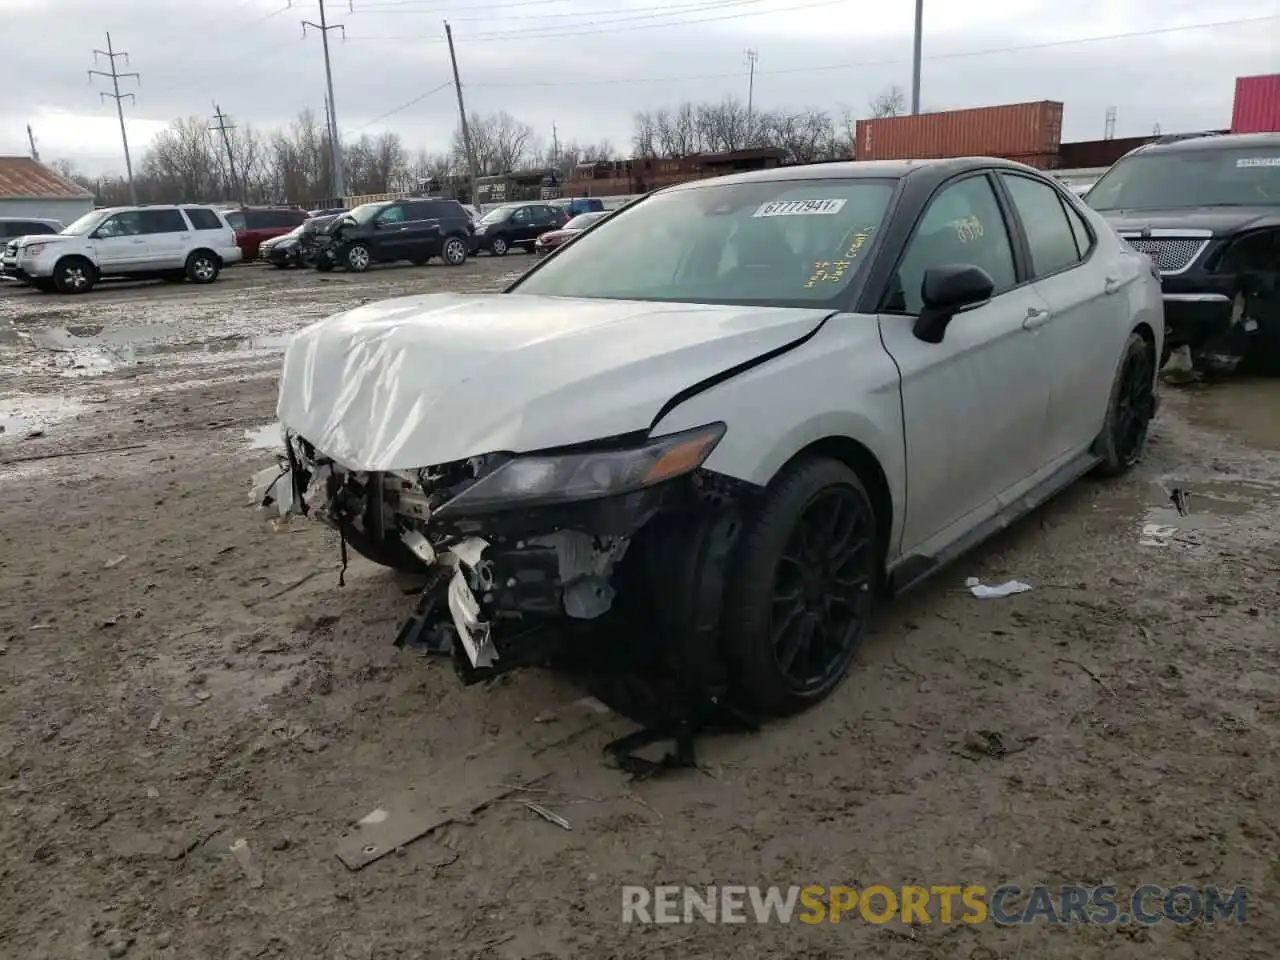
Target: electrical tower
[
  {"x": 225, "y": 126},
  {"x": 115, "y": 76},
  {"x": 335, "y": 142},
  {"x": 1109, "y": 131},
  {"x": 752, "y": 57}
]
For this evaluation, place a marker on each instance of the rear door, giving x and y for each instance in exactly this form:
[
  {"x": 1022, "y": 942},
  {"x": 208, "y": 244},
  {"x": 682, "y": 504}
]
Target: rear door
[
  {"x": 1084, "y": 312},
  {"x": 423, "y": 228},
  {"x": 975, "y": 405},
  {"x": 168, "y": 238}
]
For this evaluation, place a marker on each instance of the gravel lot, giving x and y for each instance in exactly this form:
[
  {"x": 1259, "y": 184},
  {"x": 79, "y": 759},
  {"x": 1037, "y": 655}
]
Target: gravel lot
[{"x": 178, "y": 674}]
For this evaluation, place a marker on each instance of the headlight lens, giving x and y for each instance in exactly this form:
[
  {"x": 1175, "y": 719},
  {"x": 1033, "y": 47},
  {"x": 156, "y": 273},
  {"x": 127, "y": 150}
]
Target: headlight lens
[
  {"x": 34, "y": 248},
  {"x": 571, "y": 477}
]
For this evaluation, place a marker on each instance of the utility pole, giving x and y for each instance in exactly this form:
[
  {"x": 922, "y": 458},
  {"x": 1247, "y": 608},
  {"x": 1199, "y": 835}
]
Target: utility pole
[
  {"x": 31, "y": 139},
  {"x": 752, "y": 57},
  {"x": 116, "y": 76},
  {"x": 916, "y": 57},
  {"x": 335, "y": 143},
  {"x": 555, "y": 145},
  {"x": 1109, "y": 129},
  {"x": 224, "y": 127},
  {"x": 462, "y": 114}
]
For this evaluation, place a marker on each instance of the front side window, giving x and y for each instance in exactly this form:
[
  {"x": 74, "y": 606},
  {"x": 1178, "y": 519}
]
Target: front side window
[
  {"x": 1201, "y": 177},
  {"x": 392, "y": 215},
  {"x": 963, "y": 225},
  {"x": 127, "y": 224},
  {"x": 776, "y": 242},
  {"x": 1049, "y": 234}
]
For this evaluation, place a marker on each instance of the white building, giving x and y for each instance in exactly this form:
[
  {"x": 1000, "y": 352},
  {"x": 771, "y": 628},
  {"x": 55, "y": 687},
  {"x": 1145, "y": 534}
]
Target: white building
[{"x": 30, "y": 189}]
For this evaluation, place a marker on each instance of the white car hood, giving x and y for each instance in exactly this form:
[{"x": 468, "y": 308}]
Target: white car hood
[{"x": 419, "y": 381}]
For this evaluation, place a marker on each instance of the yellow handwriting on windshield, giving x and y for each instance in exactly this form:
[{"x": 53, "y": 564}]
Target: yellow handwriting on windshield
[{"x": 827, "y": 271}]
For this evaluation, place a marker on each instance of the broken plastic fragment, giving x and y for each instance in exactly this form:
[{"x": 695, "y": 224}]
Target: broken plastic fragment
[
  {"x": 983, "y": 592},
  {"x": 469, "y": 551},
  {"x": 419, "y": 546},
  {"x": 473, "y": 632},
  {"x": 273, "y": 486}
]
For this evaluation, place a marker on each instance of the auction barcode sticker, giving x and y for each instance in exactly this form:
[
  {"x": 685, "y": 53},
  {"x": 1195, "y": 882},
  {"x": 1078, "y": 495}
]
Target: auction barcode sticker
[
  {"x": 798, "y": 208},
  {"x": 1258, "y": 162}
]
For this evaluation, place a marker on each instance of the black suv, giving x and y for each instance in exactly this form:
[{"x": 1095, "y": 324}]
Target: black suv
[
  {"x": 517, "y": 225},
  {"x": 414, "y": 230},
  {"x": 1207, "y": 212}
]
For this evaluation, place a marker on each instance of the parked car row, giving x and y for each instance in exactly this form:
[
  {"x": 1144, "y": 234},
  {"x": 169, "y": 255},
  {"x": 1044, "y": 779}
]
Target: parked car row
[{"x": 195, "y": 242}]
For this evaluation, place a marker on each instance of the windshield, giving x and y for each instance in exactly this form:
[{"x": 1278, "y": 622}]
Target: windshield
[
  {"x": 771, "y": 243},
  {"x": 496, "y": 216},
  {"x": 582, "y": 221},
  {"x": 1242, "y": 176},
  {"x": 365, "y": 213},
  {"x": 85, "y": 225}
]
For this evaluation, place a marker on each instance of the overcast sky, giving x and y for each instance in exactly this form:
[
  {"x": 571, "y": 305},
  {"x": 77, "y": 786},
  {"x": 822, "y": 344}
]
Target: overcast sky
[{"x": 588, "y": 66}]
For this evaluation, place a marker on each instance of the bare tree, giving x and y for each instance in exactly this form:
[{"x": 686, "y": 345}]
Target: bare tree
[
  {"x": 891, "y": 102},
  {"x": 500, "y": 141}
]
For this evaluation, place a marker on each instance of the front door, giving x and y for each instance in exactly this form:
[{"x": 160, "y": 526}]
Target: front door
[
  {"x": 390, "y": 237},
  {"x": 120, "y": 243},
  {"x": 975, "y": 405}
]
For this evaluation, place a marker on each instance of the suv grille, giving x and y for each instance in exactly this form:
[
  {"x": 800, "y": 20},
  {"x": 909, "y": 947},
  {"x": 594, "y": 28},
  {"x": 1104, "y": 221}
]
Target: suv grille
[{"x": 1169, "y": 255}]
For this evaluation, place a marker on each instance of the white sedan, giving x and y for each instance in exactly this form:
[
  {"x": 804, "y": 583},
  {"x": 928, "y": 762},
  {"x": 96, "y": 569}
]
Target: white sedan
[{"x": 736, "y": 411}]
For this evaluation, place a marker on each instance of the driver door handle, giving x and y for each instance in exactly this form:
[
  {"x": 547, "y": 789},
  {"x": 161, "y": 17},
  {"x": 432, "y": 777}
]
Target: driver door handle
[
  {"x": 138, "y": 241},
  {"x": 1111, "y": 286},
  {"x": 1035, "y": 318}
]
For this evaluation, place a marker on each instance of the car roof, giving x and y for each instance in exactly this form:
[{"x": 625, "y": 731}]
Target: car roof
[
  {"x": 859, "y": 170},
  {"x": 1225, "y": 141}
]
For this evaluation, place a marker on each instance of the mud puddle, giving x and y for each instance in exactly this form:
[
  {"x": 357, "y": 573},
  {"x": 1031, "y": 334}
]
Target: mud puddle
[
  {"x": 266, "y": 437},
  {"x": 1247, "y": 409},
  {"x": 22, "y": 415},
  {"x": 94, "y": 349},
  {"x": 1175, "y": 508}
]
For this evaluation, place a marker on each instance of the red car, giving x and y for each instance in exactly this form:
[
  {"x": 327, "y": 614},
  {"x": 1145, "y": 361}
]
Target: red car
[
  {"x": 253, "y": 225},
  {"x": 549, "y": 241}
]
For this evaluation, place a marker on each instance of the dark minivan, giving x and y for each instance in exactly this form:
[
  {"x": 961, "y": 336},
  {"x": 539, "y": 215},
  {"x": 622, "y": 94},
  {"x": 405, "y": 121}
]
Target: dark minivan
[{"x": 415, "y": 230}]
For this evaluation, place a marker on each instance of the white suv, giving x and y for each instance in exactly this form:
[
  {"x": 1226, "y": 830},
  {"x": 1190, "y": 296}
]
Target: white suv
[{"x": 170, "y": 242}]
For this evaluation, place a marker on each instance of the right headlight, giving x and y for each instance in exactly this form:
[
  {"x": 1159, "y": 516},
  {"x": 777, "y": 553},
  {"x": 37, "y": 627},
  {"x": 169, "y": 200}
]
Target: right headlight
[{"x": 573, "y": 477}]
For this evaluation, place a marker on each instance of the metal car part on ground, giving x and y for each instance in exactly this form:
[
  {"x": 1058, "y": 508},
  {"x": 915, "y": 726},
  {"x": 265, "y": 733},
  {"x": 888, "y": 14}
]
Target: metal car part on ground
[
  {"x": 1207, "y": 212},
  {"x": 710, "y": 431}
]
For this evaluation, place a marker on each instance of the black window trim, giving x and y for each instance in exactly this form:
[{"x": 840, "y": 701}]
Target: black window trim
[
  {"x": 1013, "y": 229},
  {"x": 1022, "y": 233}
]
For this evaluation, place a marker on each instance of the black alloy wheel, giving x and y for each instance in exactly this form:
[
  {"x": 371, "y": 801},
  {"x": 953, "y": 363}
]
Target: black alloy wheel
[{"x": 1132, "y": 407}]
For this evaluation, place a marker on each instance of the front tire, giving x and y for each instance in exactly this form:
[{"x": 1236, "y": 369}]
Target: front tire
[
  {"x": 454, "y": 252},
  {"x": 357, "y": 258},
  {"x": 800, "y": 597},
  {"x": 74, "y": 275},
  {"x": 1130, "y": 409},
  {"x": 202, "y": 267}
]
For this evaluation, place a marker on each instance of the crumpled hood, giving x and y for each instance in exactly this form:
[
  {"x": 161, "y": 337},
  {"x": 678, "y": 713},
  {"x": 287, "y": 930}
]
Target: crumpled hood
[
  {"x": 419, "y": 381},
  {"x": 1221, "y": 220}
]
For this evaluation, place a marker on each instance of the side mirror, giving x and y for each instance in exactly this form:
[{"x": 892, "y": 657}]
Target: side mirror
[{"x": 946, "y": 291}]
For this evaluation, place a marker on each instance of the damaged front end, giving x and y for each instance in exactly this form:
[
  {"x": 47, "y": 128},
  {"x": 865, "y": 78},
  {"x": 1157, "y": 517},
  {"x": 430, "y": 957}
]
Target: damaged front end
[{"x": 522, "y": 552}]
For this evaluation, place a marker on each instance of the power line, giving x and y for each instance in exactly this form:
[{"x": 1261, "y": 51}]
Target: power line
[
  {"x": 538, "y": 33},
  {"x": 116, "y": 76},
  {"x": 404, "y": 106},
  {"x": 335, "y": 141},
  {"x": 195, "y": 76},
  {"x": 685, "y": 7},
  {"x": 990, "y": 51}
]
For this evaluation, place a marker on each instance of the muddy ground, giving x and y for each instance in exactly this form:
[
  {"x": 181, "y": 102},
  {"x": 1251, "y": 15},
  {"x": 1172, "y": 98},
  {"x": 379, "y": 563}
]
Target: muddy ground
[{"x": 176, "y": 674}]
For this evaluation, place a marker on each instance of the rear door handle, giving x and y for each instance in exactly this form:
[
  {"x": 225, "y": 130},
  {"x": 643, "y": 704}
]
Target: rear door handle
[
  {"x": 138, "y": 241},
  {"x": 1035, "y": 318},
  {"x": 1111, "y": 286}
]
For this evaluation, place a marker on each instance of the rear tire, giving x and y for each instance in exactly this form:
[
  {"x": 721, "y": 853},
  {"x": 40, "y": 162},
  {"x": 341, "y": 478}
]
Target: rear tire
[
  {"x": 803, "y": 585},
  {"x": 203, "y": 266},
  {"x": 498, "y": 247},
  {"x": 1130, "y": 409},
  {"x": 74, "y": 275}
]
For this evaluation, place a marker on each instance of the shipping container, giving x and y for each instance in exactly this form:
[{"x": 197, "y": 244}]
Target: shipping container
[
  {"x": 1257, "y": 104},
  {"x": 1041, "y": 161},
  {"x": 1016, "y": 129}
]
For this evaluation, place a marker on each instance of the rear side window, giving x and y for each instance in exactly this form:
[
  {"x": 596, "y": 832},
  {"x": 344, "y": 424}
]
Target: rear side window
[
  {"x": 1083, "y": 235},
  {"x": 258, "y": 220},
  {"x": 202, "y": 219},
  {"x": 162, "y": 221},
  {"x": 1049, "y": 233}
]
